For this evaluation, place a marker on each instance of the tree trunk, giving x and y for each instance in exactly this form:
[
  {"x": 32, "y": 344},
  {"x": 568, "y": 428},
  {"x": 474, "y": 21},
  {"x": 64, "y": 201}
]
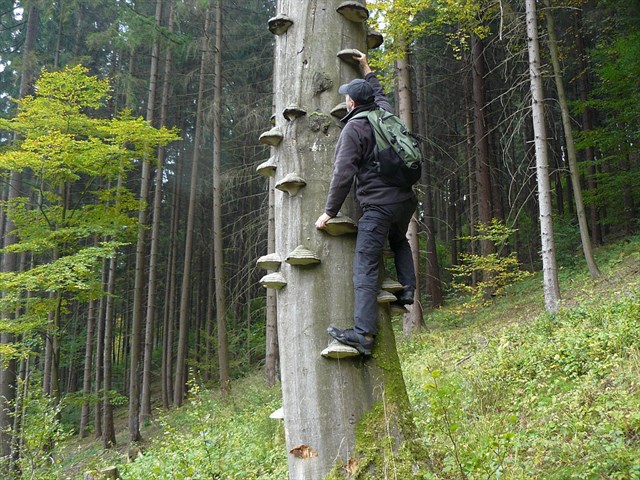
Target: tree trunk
[
  {"x": 8, "y": 367},
  {"x": 185, "y": 292},
  {"x": 549, "y": 269},
  {"x": 221, "y": 306},
  {"x": 434, "y": 283},
  {"x": 98, "y": 373},
  {"x": 323, "y": 399},
  {"x": 481, "y": 133},
  {"x": 587, "y": 124},
  {"x": 145, "y": 399},
  {"x": 571, "y": 149},
  {"x": 170, "y": 295},
  {"x": 413, "y": 321},
  {"x": 86, "y": 377},
  {"x": 108, "y": 429},
  {"x": 271, "y": 360}
]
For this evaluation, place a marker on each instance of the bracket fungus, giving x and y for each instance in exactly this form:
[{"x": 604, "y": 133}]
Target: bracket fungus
[
  {"x": 267, "y": 168},
  {"x": 277, "y": 414},
  {"x": 339, "y": 110},
  {"x": 386, "y": 297},
  {"x": 391, "y": 285},
  {"x": 340, "y": 225},
  {"x": 301, "y": 255},
  {"x": 347, "y": 55},
  {"x": 273, "y": 280},
  {"x": 374, "y": 39},
  {"x": 397, "y": 309},
  {"x": 272, "y": 137},
  {"x": 279, "y": 24},
  {"x": 291, "y": 184},
  {"x": 270, "y": 261},
  {"x": 339, "y": 350},
  {"x": 292, "y": 112},
  {"x": 272, "y": 120},
  {"x": 353, "y": 11}
]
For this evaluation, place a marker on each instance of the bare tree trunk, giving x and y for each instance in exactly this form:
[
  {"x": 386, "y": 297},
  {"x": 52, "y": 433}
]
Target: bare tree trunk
[
  {"x": 413, "y": 321},
  {"x": 433, "y": 281},
  {"x": 571, "y": 149},
  {"x": 323, "y": 399},
  {"x": 170, "y": 296},
  {"x": 483, "y": 173},
  {"x": 108, "y": 429},
  {"x": 271, "y": 361},
  {"x": 98, "y": 374},
  {"x": 587, "y": 124},
  {"x": 8, "y": 367},
  {"x": 145, "y": 403},
  {"x": 185, "y": 293},
  {"x": 221, "y": 307},
  {"x": 86, "y": 377},
  {"x": 549, "y": 269}
]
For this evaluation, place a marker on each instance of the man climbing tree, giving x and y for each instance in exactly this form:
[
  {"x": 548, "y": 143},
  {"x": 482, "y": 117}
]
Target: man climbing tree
[{"x": 387, "y": 209}]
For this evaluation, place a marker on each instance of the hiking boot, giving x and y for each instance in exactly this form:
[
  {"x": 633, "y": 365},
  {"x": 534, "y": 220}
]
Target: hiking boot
[
  {"x": 362, "y": 343},
  {"x": 405, "y": 296}
]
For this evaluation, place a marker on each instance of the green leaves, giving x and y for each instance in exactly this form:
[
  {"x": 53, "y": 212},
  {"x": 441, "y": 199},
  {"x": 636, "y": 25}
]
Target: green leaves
[{"x": 73, "y": 217}]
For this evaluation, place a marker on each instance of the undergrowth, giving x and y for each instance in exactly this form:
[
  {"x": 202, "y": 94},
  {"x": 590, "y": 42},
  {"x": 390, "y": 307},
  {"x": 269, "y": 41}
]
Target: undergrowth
[{"x": 507, "y": 392}]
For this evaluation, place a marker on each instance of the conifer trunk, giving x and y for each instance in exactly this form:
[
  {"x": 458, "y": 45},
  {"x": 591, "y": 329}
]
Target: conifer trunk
[
  {"x": 413, "y": 321},
  {"x": 221, "y": 303},
  {"x": 571, "y": 148},
  {"x": 549, "y": 269},
  {"x": 185, "y": 292}
]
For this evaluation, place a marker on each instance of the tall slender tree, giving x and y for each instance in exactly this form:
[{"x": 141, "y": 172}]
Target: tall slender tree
[
  {"x": 185, "y": 291},
  {"x": 218, "y": 256},
  {"x": 549, "y": 268}
]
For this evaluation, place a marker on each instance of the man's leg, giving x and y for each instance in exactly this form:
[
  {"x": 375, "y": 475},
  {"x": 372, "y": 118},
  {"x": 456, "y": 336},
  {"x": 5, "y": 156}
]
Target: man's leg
[
  {"x": 399, "y": 244},
  {"x": 373, "y": 228}
]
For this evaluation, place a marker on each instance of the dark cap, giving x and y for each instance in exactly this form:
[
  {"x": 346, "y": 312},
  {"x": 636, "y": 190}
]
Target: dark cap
[{"x": 359, "y": 90}]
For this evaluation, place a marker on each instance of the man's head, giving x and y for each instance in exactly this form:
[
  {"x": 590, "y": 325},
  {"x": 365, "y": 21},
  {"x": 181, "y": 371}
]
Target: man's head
[{"x": 358, "y": 92}]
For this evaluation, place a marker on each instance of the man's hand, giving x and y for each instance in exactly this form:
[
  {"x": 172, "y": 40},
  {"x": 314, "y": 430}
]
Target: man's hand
[
  {"x": 363, "y": 63},
  {"x": 322, "y": 221}
]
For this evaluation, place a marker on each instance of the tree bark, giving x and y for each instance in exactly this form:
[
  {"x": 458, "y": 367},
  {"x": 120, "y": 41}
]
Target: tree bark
[
  {"x": 271, "y": 360},
  {"x": 150, "y": 320},
  {"x": 549, "y": 269},
  {"x": 185, "y": 293},
  {"x": 571, "y": 149},
  {"x": 587, "y": 124},
  {"x": 481, "y": 140},
  {"x": 86, "y": 377},
  {"x": 323, "y": 399},
  {"x": 433, "y": 281},
  {"x": 8, "y": 367},
  {"x": 413, "y": 321},
  {"x": 221, "y": 304}
]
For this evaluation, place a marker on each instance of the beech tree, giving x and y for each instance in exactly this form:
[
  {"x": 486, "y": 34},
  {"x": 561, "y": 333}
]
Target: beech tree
[
  {"x": 64, "y": 152},
  {"x": 325, "y": 400}
]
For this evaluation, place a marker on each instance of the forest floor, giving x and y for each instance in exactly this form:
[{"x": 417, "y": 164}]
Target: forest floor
[{"x": 505, "y": 391}]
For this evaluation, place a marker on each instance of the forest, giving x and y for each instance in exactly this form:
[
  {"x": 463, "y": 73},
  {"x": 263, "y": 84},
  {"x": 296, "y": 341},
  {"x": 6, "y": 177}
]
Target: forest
[{"x": 137, "y": 195}]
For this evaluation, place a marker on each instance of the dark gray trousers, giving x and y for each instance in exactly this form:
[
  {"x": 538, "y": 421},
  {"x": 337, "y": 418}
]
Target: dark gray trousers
[{"x": 378, "y": 223}]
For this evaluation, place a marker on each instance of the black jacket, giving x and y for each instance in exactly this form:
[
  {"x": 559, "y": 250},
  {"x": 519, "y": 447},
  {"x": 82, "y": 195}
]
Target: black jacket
[{"x": 354, "y": 151}]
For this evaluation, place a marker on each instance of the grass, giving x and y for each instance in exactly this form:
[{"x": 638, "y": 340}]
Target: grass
[{"x": 506, "y": 392}]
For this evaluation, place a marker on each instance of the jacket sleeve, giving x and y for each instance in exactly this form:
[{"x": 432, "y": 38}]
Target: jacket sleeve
[
  {"x": 345, "y": 167},
  {"x": 380, "y": 98}
]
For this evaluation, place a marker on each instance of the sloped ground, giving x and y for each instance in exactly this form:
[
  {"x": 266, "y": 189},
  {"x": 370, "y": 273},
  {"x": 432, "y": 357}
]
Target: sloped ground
[{"x": 506, "y": 392}]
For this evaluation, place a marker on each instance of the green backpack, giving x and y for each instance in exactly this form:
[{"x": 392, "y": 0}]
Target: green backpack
[{"x": 396, "y": 156}]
